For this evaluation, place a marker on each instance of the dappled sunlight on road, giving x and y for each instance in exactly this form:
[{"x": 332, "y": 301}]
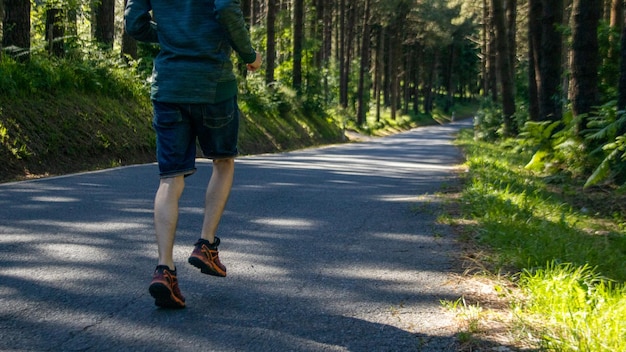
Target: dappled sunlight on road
[{"x": 334, "y": 248}]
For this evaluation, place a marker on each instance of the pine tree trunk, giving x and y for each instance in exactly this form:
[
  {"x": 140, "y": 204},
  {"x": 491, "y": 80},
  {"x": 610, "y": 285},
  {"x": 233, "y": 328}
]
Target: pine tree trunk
[
  {"x": 55, "y": 31},
  {"x": 505, "y": 71},
  {"x": 585, "y": 58},
  {"x": 270, "y": 55},
  {"x": 550, "y": 69},
  {"x": 298, "y": 37},
  {"x": 534, "y": 47},
  {"x": 1, "y": 25},
  {"x": 621, "y": 98},
  {"x": 380, "y": 66},
  {"x": 362, "y": 102},
  {"x": 16, "y": 28},
  {"x": 104, "y": 31},
  {"x": 343, "y": 54}
]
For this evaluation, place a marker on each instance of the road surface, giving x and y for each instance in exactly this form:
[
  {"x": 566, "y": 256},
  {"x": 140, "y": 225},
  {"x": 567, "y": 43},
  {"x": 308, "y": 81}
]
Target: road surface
[{"x": 328, "y": 249}]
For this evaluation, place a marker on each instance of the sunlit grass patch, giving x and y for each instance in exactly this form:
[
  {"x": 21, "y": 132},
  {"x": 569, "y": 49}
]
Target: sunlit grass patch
[
  {"x": 521, "y": 222},
  {"x": 574, "y": 309}
]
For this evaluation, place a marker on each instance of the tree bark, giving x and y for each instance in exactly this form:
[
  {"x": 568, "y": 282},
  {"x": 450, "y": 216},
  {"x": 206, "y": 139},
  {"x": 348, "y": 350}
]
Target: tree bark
[
  {"x": 298, "y": 37},
  {"x": 104, "y": 30},
  {"x": 270, "y": 55},
  {"x": 1, "y": 25},
  {"x": 362, "y": 102},
  {"x": 380, "y": 66},
  {"x": 492, "y": 68},
  {"x": 621, "y": 98},
  {"x": 55, "y": 31},
  {"x": 585, "y": 58},
  {"x": 550, "y": 69},
  {"x": 16, "y": 28},
  {"x": 534, "y": 47},
  {"x": 505, "y": 71}
]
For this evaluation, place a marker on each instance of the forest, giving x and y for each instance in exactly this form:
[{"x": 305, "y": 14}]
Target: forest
[
  {"x": 549, "y": 72},
  {"x": 543, "y": 80}
]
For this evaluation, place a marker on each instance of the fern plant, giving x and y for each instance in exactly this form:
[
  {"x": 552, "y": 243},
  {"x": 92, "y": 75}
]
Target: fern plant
[
  {"x": 537, "y": 138},
  {"x": 605, "y": 129}
]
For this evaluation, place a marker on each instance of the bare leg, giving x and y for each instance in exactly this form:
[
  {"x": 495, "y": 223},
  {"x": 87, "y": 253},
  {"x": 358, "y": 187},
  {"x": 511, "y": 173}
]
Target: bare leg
[
  {"x": 166, "y": 217},
  {"x": 216, "y": 196}
]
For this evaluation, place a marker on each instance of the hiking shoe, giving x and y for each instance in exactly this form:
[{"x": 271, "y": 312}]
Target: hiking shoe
[
  {"x": 206, "y": 258},
  {"x": 164, "y": 288}
]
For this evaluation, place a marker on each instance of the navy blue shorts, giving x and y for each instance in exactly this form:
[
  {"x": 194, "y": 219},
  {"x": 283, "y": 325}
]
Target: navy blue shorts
[{"x": 178, "y": 126}]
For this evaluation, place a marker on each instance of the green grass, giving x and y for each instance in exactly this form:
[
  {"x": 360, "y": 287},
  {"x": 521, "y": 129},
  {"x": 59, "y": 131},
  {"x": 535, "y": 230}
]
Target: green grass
[
  {"x": 567, "y": 260},
  {"x": 573, "y": 308}
]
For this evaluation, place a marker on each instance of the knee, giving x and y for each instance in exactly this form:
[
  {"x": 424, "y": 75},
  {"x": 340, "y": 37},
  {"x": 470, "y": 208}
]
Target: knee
[
  {"x": 175, "y": 185},
  {"x": 224, "y": 164}
]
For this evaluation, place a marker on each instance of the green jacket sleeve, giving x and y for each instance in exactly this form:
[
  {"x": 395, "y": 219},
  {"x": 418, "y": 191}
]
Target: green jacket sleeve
[
  {"x": 230, "y": 16},
  {"x": 138, "y": 22}
]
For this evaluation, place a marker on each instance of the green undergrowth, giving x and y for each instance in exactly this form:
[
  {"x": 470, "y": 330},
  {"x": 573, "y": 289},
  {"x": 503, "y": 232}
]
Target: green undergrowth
[
  {"x": 49, "y": 134},
  {"x": 565, "y": 251},
  {"x": 62, "y": 116}
]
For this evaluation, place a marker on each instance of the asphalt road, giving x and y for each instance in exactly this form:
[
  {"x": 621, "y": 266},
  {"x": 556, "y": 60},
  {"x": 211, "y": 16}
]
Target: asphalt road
[{"x": 328, "y": 249}]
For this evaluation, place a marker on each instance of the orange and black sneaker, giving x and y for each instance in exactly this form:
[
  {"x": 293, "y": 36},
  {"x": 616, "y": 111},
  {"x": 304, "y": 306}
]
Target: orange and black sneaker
[
  {"x": 206, "y": 258},
  {"x": 164, "y": 288}
]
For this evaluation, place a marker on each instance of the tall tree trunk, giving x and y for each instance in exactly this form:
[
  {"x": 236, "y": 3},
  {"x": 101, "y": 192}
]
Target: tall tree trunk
[
  {"x": 621, "y": 95},
  {"x": 319, "y": 32},
  {"x": 55, "y": 31},
  {"x": 621, "y": 99},
  {"x": 388, "y": 62},
  {"x": 343, "y": 89},
  {"x": 395, "y": 51},
  {"x": 550, "y": 69},
  {"x": 417, "y": 58},
  {"x": 611, "y": 78},
  {"x": 104, "y": 30},
  {"x": 406, "y": 79},
  {"x": 270, "y": 55},
  {"x": 16, "y": 28},
  {"x": 1, "y": 25},
  {"x": 585, "y": 58},
  {"x": 511, "y": 16},
  {"x": 380, "y": 67},
  {"x": 450, "y": 77},
  {"x": 505, "y": 72},
  {"x": 347, "y": 51},
  {"x": 617, "y": 14},
  {"x": 362, "y": 92},
  {"x": 534, "y": 48},
  {"x": 298, "y": 37},
  {"x": 430, "y": 77},
  {"x": 492, "y": 53},
  {"x": 485, "y": 49},
  {"x": 327, "y": 47}
]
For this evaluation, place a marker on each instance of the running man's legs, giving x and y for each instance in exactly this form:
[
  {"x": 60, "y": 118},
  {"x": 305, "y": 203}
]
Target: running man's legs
[
  {"x": 216, "y": 196},
  {"x": 166, "y": 217}
]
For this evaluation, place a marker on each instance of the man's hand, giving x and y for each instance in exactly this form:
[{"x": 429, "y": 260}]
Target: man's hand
[{"x": 256, "y": 64}]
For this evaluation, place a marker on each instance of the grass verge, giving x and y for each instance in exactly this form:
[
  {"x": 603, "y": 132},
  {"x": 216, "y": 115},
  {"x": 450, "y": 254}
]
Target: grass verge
[{"x": 562, "y": 249}]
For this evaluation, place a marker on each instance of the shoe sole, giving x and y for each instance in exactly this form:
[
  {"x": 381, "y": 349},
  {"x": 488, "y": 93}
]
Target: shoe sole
[
  {"x": 163, "y": 297},
  {"x": 205, "y": 269}
]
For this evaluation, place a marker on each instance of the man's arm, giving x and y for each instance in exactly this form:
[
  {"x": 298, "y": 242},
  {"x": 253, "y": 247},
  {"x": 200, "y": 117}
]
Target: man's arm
[
  {"x": 138, "y": 22},
  {"x": 230, "y": 16}
]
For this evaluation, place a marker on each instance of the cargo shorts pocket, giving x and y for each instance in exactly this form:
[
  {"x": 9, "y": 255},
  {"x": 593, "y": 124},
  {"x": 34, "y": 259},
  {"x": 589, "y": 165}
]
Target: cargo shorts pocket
[
  {"x": 219, "y": 115},
  {"x": 166, "y": 115}
]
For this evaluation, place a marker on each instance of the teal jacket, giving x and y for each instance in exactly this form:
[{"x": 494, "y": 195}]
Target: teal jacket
[{"x": 196, "y": 39}]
